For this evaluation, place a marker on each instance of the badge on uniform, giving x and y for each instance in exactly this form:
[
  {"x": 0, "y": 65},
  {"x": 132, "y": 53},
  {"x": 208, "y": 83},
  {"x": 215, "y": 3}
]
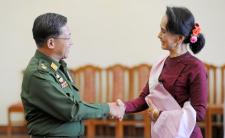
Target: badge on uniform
[
  {"x": 43, "y": 66},
  {"x": 62, "y": 82}
]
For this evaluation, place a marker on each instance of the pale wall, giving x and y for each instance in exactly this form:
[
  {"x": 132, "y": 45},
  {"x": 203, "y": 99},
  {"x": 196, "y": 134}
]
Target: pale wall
[{"x": 104, "y": 32}]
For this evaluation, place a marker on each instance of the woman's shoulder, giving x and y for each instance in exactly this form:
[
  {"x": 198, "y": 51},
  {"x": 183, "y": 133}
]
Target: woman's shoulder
[{"x": 194, "y": 62}]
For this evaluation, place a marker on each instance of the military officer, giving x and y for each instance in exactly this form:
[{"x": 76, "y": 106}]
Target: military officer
[{"x": 53, "y": 107}]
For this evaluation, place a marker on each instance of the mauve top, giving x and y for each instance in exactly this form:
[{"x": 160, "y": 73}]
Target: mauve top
[{"x": 185, "y": 78}]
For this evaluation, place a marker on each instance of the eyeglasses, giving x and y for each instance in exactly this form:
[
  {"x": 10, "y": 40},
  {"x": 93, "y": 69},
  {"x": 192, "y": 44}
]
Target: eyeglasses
[{"x": 65, "y": 38}]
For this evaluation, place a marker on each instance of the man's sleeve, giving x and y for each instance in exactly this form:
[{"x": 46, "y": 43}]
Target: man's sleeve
[{"x": 46, "y": 95}]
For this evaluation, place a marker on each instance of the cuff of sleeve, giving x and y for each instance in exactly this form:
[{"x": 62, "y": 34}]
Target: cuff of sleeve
[
  {"x": 105, "y": 108},
  {"x": 126, "y": 107}
]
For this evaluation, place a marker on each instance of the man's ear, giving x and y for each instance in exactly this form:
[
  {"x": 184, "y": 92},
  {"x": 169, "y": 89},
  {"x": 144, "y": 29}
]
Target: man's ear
[{"x": 51, "y": 43}]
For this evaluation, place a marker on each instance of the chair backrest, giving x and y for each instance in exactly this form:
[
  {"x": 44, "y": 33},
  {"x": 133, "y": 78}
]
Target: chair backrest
[
  {"x": 16, "y": 107},
  {"x": 117, "y": 82},
  {"x": 12, "y": 109},
  {"x": 139, "y": 76},
  {"x": 222, "y": 82},
  {"x": 88, "y": 79},
  {"x": 212, "y": 83}
]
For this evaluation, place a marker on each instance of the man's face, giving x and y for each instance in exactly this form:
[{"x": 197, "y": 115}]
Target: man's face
[{"x": 63, "y": 43}]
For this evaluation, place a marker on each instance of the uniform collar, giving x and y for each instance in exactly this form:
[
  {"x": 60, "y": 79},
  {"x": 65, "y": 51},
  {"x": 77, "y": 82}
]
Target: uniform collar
[
  {"x": 52, "y": 63},
  {"x": 63, "y": 63}
]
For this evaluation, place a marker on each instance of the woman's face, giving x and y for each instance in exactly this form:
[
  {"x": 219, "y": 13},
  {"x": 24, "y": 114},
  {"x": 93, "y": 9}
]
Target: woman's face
[{"x": 168, "y": 40}]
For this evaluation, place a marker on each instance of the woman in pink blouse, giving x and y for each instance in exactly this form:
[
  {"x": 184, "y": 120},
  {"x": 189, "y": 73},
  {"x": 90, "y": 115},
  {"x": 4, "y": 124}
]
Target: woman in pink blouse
[{"x": 182, "y": 75}]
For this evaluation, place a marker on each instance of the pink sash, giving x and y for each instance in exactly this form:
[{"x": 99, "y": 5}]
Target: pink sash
[{"x": 174, "y": 121}]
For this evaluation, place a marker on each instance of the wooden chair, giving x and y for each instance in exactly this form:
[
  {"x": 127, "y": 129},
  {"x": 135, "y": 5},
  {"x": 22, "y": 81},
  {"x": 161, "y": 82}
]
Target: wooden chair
[
  {"x": 215, "y": 106},
  {"x": 139, "y": 76},
  {"x": 117, "y": 82},
  {"x": 15, "y": 108},
  {"x": 88, "y": 79},
  {"x": 212, "y": 81}
]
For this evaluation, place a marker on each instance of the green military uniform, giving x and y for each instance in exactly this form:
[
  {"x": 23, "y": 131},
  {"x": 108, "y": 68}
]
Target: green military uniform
[{"x": 52, "y": 103}]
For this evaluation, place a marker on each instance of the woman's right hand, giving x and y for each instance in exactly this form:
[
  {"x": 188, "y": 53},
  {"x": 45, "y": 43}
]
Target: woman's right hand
[{"x": 153, "y": 113}]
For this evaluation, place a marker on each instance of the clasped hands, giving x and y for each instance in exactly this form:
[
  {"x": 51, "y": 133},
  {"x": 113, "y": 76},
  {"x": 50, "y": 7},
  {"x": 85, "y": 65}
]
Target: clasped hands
[{"x": 117, "y": 109}]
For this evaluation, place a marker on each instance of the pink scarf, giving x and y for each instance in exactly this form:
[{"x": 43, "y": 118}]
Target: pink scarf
[{"x": 174, "y": 121}]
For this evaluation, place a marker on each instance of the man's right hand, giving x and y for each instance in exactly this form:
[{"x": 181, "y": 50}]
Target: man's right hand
[{"x": 117, "y": 109}]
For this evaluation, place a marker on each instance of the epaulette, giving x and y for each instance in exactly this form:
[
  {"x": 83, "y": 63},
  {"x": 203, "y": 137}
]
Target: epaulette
[{"x": 54, "y": 66}]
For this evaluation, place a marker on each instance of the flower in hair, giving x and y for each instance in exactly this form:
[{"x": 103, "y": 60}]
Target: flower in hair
[
  {"x": 195, "y": 33},
  {"x": 193, "y": 39},
  {"x": 197, "y": 30}
]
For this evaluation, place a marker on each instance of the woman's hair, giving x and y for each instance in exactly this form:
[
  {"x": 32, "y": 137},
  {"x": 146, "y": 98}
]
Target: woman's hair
[{"x": 181, "y": 21}]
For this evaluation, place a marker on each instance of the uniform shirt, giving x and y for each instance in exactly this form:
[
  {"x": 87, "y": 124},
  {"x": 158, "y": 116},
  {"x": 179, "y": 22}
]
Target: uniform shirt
[
  {"x": 51, "y": 101},
  {"x": 184, "y": 77}
]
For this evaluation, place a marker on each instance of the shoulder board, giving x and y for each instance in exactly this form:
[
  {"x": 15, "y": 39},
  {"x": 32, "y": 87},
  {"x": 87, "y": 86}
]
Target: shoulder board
[{"x": 43, "y": 66}]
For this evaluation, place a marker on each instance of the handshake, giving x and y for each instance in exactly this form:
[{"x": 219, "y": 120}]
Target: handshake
[{"x": 117, "y": 109}]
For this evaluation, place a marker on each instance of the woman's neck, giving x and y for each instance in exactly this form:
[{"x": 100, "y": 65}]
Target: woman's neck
[{"x": 179, "y": 50}]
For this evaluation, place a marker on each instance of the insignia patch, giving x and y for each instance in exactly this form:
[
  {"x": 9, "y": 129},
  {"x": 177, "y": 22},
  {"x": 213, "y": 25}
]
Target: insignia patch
[
  {"x": 57, "y": 76},
  {"x": 61, "y": 80},
  {"x": 43, "y": 66},
  {"x": 64, "y": 84}
]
